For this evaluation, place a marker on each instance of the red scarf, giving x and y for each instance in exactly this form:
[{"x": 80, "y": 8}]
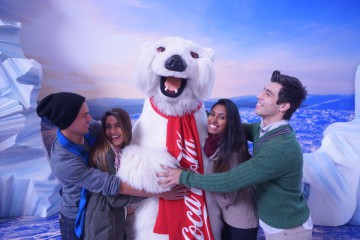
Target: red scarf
[
  {"x": 212, "y": 143},
  {"x": 186, "y": 218}
]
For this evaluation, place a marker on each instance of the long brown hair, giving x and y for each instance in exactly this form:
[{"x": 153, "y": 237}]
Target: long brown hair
[
  {"x": 234, "y": 139},
  {"x": 103, "y": 145}
]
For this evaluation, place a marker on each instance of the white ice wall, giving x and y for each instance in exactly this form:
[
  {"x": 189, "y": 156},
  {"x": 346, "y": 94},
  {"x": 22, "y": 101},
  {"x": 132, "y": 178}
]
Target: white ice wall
[
  {"x": 26, "y": 184},
  {"x": 333, "y": 172}
]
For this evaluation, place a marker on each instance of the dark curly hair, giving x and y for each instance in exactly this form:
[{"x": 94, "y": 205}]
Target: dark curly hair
[{"x": 292, "y": 91}]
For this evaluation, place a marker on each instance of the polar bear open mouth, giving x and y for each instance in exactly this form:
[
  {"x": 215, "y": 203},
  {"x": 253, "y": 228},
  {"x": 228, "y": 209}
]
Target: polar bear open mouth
[{"x": 172, "y": 86}]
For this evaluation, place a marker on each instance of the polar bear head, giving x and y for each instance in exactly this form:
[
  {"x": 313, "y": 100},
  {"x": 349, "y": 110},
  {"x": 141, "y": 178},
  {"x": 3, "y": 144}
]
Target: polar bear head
[{"x": 177, "y": 73}]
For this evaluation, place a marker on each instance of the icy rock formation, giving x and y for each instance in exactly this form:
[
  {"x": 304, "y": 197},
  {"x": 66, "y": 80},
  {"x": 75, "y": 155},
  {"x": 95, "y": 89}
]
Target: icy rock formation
[
  {"x": 26, "y": 184},
  {"x": 333, "y": 172}
]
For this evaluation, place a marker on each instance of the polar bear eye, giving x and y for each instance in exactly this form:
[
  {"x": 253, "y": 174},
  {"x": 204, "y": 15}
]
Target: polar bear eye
[
  {"x": 161, "y": 49},
  {"x": 194, "y": 55}
]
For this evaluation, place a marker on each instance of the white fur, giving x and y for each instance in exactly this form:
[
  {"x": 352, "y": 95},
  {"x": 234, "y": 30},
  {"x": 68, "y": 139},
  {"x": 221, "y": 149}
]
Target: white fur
[
  {"x": 199, "y": 72},
  {"x": 136, "y": 162},
  {"x": 150, "y": 130}
]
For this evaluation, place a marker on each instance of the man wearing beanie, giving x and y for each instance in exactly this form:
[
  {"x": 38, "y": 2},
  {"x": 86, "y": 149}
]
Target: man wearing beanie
[
  {"x": 69, "y": 161},
  {"x": 70, "y": 157}
]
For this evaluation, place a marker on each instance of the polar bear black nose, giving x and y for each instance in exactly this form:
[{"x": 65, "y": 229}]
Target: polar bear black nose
[{"x": 175, "y": 63}]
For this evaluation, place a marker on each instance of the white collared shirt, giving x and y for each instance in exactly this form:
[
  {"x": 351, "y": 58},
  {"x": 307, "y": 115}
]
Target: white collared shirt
[{"x": 272, "y": 126}]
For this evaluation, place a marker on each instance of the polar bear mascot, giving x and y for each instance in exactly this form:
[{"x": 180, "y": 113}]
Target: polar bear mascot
[{"x": 176, "y": 74}]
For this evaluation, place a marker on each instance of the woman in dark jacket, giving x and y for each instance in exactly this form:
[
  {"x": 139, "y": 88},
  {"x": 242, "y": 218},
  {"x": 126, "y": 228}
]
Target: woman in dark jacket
[{"x": 105, "y": 215}]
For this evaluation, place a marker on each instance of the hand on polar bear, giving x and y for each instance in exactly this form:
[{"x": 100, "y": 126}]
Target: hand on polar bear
[
  {"x": 177, "y": 192},
  {"x": 170, "y": 177},
  {"x": 139, "y": 167}
]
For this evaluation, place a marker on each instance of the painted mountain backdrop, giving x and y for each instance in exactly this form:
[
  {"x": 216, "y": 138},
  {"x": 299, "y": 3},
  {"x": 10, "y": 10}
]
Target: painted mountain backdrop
[
  {"x": 309, "y": 122},
  {"x": 134, "y": 106},
  {"x": 317, "y": 112}
]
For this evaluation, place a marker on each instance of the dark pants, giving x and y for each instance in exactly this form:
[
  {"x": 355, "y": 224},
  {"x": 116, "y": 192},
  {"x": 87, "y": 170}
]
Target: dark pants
[
  {"x": 67, "y": 228},
  {"x": 232, "y": 233}
]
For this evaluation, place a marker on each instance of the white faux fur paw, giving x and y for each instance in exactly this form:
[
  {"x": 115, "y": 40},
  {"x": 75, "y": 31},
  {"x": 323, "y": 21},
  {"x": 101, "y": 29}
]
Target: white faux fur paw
[{"x": 139, "y": 166}]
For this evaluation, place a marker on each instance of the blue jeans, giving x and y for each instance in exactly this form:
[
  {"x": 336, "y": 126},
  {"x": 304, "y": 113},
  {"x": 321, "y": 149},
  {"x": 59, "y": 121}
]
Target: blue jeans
[
  {"x": 67, "y": 228},
  {"x": 232, "y": 233}
]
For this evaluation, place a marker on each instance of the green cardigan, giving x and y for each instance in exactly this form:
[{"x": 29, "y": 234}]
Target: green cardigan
[{"x": 276, "y": 172}]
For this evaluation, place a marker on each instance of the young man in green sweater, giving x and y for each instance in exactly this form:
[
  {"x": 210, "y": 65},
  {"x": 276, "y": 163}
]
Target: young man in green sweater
[{"x": 276, "y": 168}]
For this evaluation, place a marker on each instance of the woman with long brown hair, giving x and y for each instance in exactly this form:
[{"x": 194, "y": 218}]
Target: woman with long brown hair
[
  {"x": 105, "y": 215},
  {"x": 227, "y": 147}
]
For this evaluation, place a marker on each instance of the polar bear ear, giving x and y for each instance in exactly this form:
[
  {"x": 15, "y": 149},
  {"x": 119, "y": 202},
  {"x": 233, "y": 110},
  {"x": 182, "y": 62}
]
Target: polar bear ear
[{"x": 210, "y": 52}]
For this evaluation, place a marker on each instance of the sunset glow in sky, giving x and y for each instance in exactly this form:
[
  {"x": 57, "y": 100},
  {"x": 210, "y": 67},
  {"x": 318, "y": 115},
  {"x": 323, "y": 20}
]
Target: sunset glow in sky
[{"x": 93, "y": 46}]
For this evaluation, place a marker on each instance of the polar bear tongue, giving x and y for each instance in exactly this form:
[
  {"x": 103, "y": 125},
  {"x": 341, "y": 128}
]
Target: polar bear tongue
[{"x": 172, "y": 83}]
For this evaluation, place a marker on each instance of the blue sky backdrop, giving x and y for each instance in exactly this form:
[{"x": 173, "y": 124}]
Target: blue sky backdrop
[{"x": 92, "y": 46}]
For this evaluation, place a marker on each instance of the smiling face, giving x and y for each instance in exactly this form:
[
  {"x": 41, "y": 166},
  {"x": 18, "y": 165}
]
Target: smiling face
[
  {"x": 176, "y": 62},
  {"x": 217, "y": 119},
  {"x": 113, "y": 131},
  {"x": 175, "y": 73},
  {"x": 81, "y": 124},
  {"x": 266, "y": 106}
]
